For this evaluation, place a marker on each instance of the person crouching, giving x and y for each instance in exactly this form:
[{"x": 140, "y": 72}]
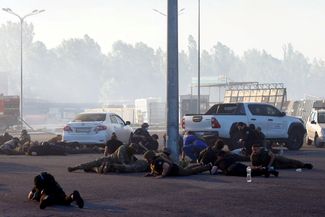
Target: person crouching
[{"x": 48, "y": 192}]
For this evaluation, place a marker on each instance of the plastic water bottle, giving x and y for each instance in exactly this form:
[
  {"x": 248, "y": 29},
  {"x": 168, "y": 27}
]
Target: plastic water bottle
[{"x": 249, "y": 174}]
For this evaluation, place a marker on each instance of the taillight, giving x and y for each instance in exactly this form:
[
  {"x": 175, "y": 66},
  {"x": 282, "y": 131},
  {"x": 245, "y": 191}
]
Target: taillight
[
  {"x": 67, "y": 128},
  {"x": 183, "y": 123},
  {"x": 100, "y": 128},
  {"x": 215, "y": 123}
]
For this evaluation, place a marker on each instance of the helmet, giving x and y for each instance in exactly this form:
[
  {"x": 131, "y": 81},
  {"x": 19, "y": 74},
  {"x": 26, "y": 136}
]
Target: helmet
[
  {"x": 39, "y": 181},
  {"x": 155, "y": 136},
  {"x": 149, "y": 155},
  {"x": 145, "y": 125}
]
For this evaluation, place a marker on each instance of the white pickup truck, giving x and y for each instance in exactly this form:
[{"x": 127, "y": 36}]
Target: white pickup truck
[{"x": 221, "y": 118}]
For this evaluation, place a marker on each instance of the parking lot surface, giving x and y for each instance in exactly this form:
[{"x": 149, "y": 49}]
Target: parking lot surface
[{"x": 291, "y": 194}]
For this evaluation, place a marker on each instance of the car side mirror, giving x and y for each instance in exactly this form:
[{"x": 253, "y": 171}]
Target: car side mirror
[
  {"x": 127, "y": 122},
  {"x": 313, "y": 122},
  {"x": 283, "y": 114}
]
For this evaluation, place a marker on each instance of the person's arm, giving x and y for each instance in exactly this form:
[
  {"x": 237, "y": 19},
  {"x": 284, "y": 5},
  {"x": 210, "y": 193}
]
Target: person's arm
[
  {"x": 31, "y": 194},
  {"x": 253, "y": 164},
  {"x": 166, "y": 169},
  {"x": 152, "y": 171},
  {"x": 183, "y": 155},
  {"x": 167, "y": 159}
]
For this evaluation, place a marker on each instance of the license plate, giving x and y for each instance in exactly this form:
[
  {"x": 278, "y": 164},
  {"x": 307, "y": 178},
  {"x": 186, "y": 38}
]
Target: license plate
[{"x": 83, "y": 130}]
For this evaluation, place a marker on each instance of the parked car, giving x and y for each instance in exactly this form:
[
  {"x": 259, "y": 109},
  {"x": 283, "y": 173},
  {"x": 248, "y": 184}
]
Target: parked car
[
  {"x": 315, "y": 126},
  {"x": 96, "y": 128},
  {"x": 222, "y": 118}
]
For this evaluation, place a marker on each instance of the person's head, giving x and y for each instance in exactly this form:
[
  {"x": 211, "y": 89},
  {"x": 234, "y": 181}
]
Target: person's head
[
  {"x": 16, "y": 140},
  {"x": 39, "y": 181},
  {"x": 221, "y": 155},
  {"x": 256, "y": 148},
  {"x": 131, "y": 149},
  {"x": 241, "y": 125},
  {"x": 59, "y": 136},
  {"x": 155, "y": 137},
  {"x": 145, "y": 126},
  {"x": 258, "y": 129},
  {"x": 113, "y": 136},
  {"x": 218, "y": 145},
  {"x": 149, "y": 155},
  {"x": 252, "y": 126},
  {"x": 189, "y": 132},
  {"x": 23, "y": 132}
]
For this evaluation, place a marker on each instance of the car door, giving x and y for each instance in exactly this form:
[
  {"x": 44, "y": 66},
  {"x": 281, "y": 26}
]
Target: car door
[
  {"x": 258, "y": 117},
  {"x": 310, "y": 126},
  {"x": 122, "y": 131},
  {"x": 276, "y": 121}
]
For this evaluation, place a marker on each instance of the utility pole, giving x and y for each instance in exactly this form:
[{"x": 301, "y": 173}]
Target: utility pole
[
  {"x": 199, "y": 59},
  {"x": 172, "y": 80}
]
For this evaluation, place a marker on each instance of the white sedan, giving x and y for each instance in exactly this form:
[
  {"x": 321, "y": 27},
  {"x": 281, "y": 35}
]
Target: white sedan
[{"x": 96, "y": 128}]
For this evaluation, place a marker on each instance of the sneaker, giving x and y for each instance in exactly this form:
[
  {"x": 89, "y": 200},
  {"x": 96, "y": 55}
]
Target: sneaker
[
  {"x": 76, "y": 197},
  {"x": 70, "y": 169},
  {"x": 214, "y": 170},
  {"x": 44, "y": 202},
  {"x": 275, "y": 173},
  {"x": 266, "y": 174},
  {"x": 210, "y": 165},
  {"x": 308, "y": 166}
]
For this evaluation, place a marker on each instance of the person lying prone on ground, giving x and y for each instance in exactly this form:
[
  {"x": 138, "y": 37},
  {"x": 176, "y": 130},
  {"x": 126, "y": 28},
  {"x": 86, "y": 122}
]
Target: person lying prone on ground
[
  {"x": 122, "y": 160},
  {"x": 162, "y": 166},
  {"x": 262, "y": 158}
]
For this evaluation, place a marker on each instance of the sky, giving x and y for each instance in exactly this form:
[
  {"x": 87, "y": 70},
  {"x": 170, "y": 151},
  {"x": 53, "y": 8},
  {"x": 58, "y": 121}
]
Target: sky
[{"x": 239, "y": 24}]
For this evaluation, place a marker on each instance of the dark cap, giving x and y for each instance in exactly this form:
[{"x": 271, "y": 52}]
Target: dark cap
[{"x": 144, "y": 125}]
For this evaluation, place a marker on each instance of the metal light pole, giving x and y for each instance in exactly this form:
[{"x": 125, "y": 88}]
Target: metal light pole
[
  {"x": 199, "y": 61},
  {"x": 21, "y": 19},
  {"x": 172, "y": 80}
]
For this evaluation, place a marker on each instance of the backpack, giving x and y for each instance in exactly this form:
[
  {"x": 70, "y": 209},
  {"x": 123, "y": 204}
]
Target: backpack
[{"x": 207, "y": 155}]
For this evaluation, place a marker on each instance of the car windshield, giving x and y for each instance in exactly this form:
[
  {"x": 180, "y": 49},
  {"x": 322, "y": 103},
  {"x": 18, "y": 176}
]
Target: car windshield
[
  {"x": 89, "y": 117},
  {"x": 321, "y": 117}
]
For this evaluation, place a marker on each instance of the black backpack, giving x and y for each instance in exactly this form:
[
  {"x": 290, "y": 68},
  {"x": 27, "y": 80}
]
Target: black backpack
[{"x": 207, "y": 155}]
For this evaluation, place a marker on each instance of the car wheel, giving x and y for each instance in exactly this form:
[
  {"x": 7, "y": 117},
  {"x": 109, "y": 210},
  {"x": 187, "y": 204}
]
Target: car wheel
[
  {"x": 295, "y": 140},
  {"x": 317, "y": 142}
]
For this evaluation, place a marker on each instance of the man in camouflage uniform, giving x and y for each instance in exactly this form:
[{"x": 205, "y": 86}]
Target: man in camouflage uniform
[
  {"x": 161, "y": 166},
  {"x": 122, "y": 160}
]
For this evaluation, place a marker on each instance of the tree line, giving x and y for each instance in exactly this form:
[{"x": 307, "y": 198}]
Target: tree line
[{"x": 78, "y": 71}]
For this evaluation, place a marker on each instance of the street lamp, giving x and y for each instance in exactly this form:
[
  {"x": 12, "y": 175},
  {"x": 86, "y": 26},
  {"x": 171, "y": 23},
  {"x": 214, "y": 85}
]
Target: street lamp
[
  {"x": 180, "y": 12},
  {"x": 198, "y": 62},
  {"x": 21, "y": 19}
]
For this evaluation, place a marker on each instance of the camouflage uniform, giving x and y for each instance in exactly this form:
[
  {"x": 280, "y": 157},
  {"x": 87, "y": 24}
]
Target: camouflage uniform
[{"x": 122, "y": 160}]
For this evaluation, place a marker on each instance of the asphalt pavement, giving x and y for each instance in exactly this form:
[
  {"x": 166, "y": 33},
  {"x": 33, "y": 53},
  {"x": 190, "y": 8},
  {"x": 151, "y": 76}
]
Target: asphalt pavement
[{"x": 291, "y": 194}]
